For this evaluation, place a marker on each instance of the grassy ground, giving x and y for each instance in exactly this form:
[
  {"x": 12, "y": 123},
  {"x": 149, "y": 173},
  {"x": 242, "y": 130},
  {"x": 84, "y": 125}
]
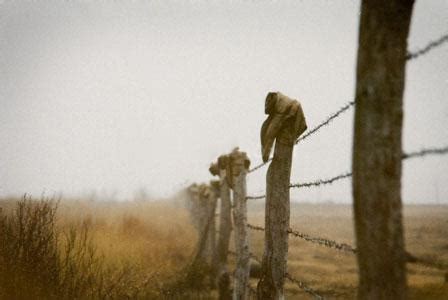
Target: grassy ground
[
  {"x": 334, "y": 274},
  {"x": 155, "y": 241}
]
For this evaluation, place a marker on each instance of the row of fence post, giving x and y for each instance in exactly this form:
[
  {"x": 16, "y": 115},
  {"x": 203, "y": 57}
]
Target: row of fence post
[
  {"x": 285, "y": 123},
  {"x": 212, "y": 251},
  {"x": 283, "y": 126}
]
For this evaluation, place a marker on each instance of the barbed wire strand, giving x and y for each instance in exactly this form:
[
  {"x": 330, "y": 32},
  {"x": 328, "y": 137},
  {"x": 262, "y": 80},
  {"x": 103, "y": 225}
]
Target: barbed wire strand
[
  {"x": 322, "y": 241},
  {"x": 347, "y": 248},
  {"x": 326, "y": 121},
  {"x": 426, "y": 151},
  {"x": 304, "y": 287},
  {"x": 318, "y": 182},
  {"x": 431, "y": 45},
  {"x": 316, "y": 240},
  {"x": 410, "y": 56}
]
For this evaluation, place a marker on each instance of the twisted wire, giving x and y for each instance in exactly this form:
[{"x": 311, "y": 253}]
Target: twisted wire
[
  {"x": 259, "y": 166},
  {"x": 315, "y": 129},
  {"x": 304, "y": 287},
  {"x": 426, "y": 151},
  {"x": 410, "y": 56},
  {"x": 431, "y": 45},
  {"x": 316, "y": 240},
  {"x": 326, "y": 121},
  {"x": 319, "y": 182},
  {"x": 322, "y": 241}
]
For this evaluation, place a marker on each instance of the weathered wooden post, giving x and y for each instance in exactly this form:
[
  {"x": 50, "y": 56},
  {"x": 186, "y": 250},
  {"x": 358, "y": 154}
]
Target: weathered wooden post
[
  {"x": 225, "y": 228},
  {"x": 193, "y": 205},
  {"x": 200, "y": 266},
  {"x": 211, "y": 233},
  {"x": 285, "y": 124},
  {"x": 239, "y": 164},
  {"x": 377, "y": 149},
  {"x": 215, "y": 188}
]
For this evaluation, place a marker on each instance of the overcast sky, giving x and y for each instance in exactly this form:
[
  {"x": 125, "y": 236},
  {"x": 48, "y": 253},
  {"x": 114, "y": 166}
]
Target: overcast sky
[{"x": 121, "y": 95}]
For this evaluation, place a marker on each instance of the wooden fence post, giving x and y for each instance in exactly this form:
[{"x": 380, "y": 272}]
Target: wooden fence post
[
  {"x": 200, "y": 266},
  {"x": 225, "y": 227},
  {"x": 239, "y": 164},
  {"x": 193, "y": 205},
  {"x": 377, "y": 149},
  {"x": 215, "y": 186},
  {"x": 285, "y": 124},
  {"x": 211, "y": 212}
]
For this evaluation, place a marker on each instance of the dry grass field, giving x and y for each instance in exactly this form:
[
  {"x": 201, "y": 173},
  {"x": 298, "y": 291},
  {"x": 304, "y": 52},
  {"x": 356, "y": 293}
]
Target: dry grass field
[
  {"x": 142, "y": 248},
  {"x": 333, "y": 273}
]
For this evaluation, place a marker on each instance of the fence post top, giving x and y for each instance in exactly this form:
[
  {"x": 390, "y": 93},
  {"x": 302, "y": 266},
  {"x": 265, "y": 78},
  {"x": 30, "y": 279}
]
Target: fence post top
[
  {"x": 285, "y": 123},
  {"x": 239, "y": 161},
  {"x": 214, "y": 169}
]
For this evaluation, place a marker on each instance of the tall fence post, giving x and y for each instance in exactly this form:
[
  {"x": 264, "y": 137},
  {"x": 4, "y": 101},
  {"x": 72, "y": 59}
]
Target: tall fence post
[
  {"x": 377, "y": 149},
  {"x": 239, "y": 165},
  {"x": 285, "y": 124},
  {"x": 225, "y": 227}
]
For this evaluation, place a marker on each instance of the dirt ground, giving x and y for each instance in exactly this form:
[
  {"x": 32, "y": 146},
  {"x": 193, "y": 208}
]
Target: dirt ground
[{"x": 332, "y": 273}]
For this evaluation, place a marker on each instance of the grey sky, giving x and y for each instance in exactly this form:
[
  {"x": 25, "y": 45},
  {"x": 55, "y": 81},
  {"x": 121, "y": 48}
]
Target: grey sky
[{"x": 119, "y": 95}]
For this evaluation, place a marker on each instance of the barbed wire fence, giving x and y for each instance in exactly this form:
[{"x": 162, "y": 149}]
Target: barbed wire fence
[
  {"x": 320, "y": 182},
  {"x": 329, "y": 243},
  {"x": 410, "y": 56}
]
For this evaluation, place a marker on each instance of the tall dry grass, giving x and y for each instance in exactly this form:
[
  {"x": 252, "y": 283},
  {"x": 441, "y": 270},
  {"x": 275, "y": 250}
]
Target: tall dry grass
[{"x": 93, "y": 250}]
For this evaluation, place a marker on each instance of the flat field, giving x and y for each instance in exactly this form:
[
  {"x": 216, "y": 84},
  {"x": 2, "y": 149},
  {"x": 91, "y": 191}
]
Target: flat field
[
  {"x": 333, "y": 274},
  {"x": 145, "y": 247}
]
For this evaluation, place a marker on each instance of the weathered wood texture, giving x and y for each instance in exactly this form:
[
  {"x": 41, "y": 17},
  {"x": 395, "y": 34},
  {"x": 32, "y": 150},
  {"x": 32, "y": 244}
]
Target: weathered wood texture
[
  {"x": 377, "y": 149},
  {"x": 225, "y": 230},
  {"x": 200, "y": 266},
  {"x": 285, "y": 123},
  {"x": 240, "y": 164},
  {"x": 211, "y": 233}
]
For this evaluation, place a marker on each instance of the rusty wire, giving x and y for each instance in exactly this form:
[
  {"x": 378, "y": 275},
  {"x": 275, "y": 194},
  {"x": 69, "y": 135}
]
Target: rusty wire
[{"x": 431, "y": 45}]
